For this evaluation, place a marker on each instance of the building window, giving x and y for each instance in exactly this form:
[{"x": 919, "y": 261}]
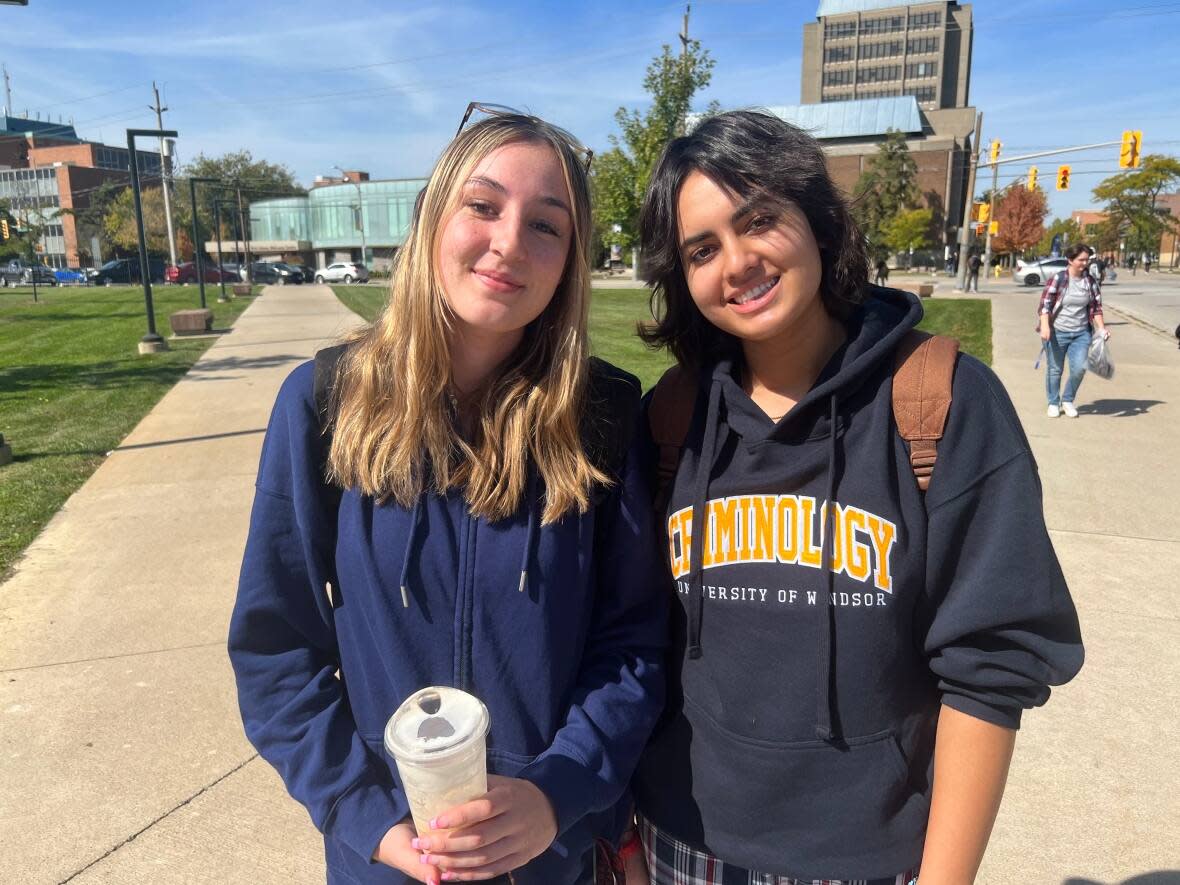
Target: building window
[
  {"x": 879, "y": 93},
  {"x": 838, "y": 53},
  {"x": 839, "y": 78},
  {"x": 878, "y": 74},
  {"x": 922, "y": 20},
  {"x": 880, "y": 50},
  {"x": 887, "y": 25},
  {"x": 920, "y": 45},
  {"x": 921, "y": 69},
  {"x": 922, "y": 93},
  {"x": 836, "y": 96},
  {"x": 838, "y": 30}
]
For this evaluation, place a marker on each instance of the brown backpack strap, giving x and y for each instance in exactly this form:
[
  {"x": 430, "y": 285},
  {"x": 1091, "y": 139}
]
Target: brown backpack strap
[
  {"x": 669, "y": 415},
  {"x": 922, "y": 378}
]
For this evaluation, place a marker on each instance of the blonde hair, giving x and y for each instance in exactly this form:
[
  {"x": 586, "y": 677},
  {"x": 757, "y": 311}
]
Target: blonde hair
[{"x": 394, "y": 434}]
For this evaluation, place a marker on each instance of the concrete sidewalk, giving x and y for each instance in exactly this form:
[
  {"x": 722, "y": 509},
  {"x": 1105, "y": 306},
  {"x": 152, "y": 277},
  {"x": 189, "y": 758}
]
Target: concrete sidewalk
[
  {"x": 122, "y": 758},
  {"x": 1094, "y": 793},
  {"x": 121, "y": 753}
]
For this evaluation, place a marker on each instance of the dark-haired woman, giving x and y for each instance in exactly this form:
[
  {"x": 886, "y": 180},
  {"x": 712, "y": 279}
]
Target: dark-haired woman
[
  {"x": 851, "y": 655},
  {"x": 1070, "y": 312}
]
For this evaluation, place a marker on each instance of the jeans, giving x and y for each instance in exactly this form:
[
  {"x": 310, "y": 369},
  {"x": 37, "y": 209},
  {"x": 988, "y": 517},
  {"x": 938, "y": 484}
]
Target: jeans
[{"x": 1062, "y": 346}]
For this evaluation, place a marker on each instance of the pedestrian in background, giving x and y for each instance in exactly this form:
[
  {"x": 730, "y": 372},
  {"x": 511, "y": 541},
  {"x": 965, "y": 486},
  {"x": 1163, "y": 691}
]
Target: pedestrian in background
[
  {"x": 1070, "y": 312},
  {"x": 882, "y": 272},
  {"x": 484, "y": 524},
  {"x": 974, "y": 263}
]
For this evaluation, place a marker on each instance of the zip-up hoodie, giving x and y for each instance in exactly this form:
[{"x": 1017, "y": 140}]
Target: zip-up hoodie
[
  {"x": 804, "y": 688},
  {"x": 559, "y": 629}
]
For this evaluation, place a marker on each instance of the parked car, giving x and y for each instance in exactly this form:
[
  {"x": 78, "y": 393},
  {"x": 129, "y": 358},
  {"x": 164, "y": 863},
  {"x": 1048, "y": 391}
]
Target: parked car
[
  {"x": 71, "y": 276},
  {"x": 186, "y": 272},
  {"x": 274, "y": 272},
  {"x": 1036, "y": 271},
  {"x": 126, "y": 270},
  {"x": 342, "y": 271},
  {"x": 20, "y": 273},
  {"x": 306, "y": 272}
]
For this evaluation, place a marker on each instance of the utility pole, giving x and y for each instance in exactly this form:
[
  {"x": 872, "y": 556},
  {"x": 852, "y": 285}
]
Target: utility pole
[
  {"x": 991, "y": 216},
  {"x": 968, "y": 202},
  {"x": 243, "y": 222},
  {"x": 360, "y": 200},
  {"x": 7, "y": 92},
  {"x": 166, "y": 186}
]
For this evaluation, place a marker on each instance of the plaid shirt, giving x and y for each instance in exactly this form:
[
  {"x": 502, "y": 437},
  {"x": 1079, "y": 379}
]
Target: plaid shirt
[
  {"x": 1056, "y": 288},
  {"x": 671, "y": 862}
]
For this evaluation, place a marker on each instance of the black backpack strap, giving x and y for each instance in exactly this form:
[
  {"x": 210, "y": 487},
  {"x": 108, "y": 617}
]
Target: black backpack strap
[
  {"x": 327, "y": 365},
  {"x": 608, "y": 422}
]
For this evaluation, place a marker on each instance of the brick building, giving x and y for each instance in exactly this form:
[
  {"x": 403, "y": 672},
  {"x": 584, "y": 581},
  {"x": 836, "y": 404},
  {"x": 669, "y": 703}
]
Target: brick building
[{"x": 45, "y": 167}]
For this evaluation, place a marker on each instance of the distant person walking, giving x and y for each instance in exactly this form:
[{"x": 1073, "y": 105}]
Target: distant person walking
[
  {"x": 1070, "y": 312},
  {"x": 974, "y": 263},
  {"x": 882, "y": 273},
  {"x": 1147, "y": 264}
]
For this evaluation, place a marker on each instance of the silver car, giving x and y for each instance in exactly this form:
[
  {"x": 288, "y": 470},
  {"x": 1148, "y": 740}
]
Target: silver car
[
  {"x": 342, "y": 272},
  {"x": 1036, "y": 271}
]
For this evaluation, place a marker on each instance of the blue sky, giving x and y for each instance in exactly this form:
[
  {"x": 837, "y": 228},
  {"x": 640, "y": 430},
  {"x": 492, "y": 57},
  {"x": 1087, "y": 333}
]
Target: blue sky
[{"x": 381, "y": 86}]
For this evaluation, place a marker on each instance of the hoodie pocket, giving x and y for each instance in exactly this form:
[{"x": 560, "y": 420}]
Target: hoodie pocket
[{"x": 793, "y": 808}]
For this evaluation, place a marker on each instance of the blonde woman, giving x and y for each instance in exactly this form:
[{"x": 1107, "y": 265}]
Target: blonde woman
[{"x": 483, "y": 524}]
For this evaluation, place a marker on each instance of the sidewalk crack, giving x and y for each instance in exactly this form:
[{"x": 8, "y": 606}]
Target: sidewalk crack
[{"x": 166, "y": 814}]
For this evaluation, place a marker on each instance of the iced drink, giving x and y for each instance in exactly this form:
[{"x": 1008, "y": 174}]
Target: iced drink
[{"x": 437, "y": 737}]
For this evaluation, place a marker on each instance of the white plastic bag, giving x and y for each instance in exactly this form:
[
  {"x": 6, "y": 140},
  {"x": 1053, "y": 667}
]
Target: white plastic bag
[{"x": 1098, "y": 358}]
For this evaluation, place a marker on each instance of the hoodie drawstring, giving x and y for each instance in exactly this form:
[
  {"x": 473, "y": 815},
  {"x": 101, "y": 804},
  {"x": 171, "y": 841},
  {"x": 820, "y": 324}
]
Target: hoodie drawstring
[
  {"x": 411, "y": 537},
  {"x": 823, "y": 689},
  {"x": 700, "y": 525},
  {"x": 530, "y": 541}
]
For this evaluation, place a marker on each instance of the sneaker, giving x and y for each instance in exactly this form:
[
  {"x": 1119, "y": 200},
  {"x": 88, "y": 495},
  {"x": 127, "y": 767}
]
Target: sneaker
[
  {"x": 1053, "y": 411},
  {"x": 1070, "y": 411}
]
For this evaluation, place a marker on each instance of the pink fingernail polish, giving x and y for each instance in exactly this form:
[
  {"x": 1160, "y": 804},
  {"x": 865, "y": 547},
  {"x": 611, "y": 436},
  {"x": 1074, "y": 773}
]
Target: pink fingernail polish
[
  {"x": 423, "y": 858},
  {"x": 434, "y": 823},
  {"x": 414, "y": 843}
]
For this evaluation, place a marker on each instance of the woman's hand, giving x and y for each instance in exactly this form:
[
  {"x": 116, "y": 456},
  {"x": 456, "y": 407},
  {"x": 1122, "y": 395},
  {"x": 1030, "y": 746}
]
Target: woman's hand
[
  {"x": 1104, "y": 332},
  {"x": 397, "y": 850},
  {"x": 1045, "y": 332},
  {"x": 500, "y": 831}
]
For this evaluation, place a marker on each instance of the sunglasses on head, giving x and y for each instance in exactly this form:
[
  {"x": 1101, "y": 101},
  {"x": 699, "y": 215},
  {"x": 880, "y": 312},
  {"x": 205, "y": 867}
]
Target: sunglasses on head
[{"x": 478, "y": 110}]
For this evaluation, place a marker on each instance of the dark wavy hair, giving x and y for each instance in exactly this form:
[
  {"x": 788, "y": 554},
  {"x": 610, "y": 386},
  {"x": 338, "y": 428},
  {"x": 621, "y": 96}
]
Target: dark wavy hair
[
  {"x": 752, "y": 155},
  {"x": 1077, "y": 249}
]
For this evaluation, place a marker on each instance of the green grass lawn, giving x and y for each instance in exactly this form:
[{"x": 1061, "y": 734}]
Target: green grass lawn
[
  {"x": 614, "y": 313},
  {"x": 72, "y": 385}
]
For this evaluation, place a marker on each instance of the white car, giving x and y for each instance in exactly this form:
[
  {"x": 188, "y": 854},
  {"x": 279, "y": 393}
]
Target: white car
[
  {"x": 342, "y": 272},
  {"x": 1038, "y": 270}
]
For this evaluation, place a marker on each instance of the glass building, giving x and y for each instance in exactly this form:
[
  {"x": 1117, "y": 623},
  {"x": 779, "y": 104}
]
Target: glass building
[{"x": 326, "y": 225}]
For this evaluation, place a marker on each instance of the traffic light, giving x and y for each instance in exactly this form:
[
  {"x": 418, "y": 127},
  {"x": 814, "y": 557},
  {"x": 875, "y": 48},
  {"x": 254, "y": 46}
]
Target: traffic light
[
  {"x": 3, "y": 228},
  {"x": 985, "y": 212},
  {"x": 995, "y": 152},
  {"x": 1129, "y": 152},
  {"x": 993, "y": 228},
  {"x": 1063, "y": 178},
  {"x": 1032, "y": 178}
]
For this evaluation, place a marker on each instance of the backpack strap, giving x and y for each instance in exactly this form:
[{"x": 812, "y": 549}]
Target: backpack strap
[
  {"x": 327, "y": 365},
  {"x": 923, "y": 376},
  {"x": 669, "y": 415}
]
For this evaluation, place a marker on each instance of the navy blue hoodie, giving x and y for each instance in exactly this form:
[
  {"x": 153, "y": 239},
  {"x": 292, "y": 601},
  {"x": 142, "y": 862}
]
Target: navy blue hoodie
[
  {"x": 803, "y": 700},
  {"x": 569, "y": 660}
]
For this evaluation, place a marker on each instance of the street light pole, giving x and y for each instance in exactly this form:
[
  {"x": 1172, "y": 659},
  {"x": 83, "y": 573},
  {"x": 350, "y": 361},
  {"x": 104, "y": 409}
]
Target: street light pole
[
  {"x": 968, "y": 200},
  {"x": 151, "y": 342},
  {"x": 360, "y": 199},
  {"x": 198, "y": 258},
  {"x": 220, "y": 267}
]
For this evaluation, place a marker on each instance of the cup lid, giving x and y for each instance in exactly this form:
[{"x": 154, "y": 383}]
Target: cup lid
[{"x": 434, "y": 722}]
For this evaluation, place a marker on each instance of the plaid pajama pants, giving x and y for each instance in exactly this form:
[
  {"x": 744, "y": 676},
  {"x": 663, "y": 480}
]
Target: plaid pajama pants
[{"x": 671, "y": 862}]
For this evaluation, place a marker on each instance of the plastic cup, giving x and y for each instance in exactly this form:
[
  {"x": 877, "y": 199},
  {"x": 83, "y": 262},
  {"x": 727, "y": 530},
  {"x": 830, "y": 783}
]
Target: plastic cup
[{"x": 437, "y": 737}]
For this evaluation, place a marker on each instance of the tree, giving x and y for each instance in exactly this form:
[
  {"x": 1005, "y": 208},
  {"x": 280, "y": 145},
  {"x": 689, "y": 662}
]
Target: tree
[
  {"x": 1131, "y": 199},
  {"x": 259, "y": 180},
  {"x": 90, "y": 219},
  {"x": 1070, "y": 230},
  {"x": 887, "y": 187},
  {"x": 908, "y": 230},
  {"x": 121, "y": 232},
  {"x": 1021, "y": 216},
  {"x": 620, "y": 175}
]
